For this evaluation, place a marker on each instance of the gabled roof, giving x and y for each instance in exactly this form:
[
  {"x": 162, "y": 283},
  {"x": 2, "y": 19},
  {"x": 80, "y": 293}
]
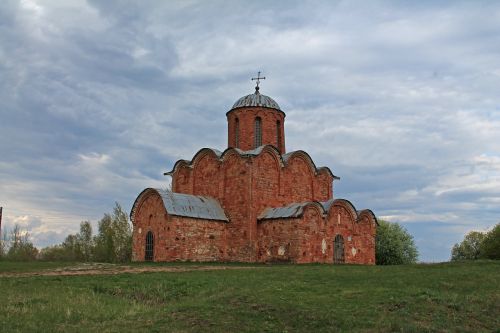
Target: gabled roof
[{"x": 186, "y": 205}]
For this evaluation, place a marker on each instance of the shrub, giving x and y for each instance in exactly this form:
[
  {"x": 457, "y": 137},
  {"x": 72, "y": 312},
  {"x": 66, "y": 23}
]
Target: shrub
[
  {"x": 394, "y": 245},
  {"x": 490, "y": 246}
]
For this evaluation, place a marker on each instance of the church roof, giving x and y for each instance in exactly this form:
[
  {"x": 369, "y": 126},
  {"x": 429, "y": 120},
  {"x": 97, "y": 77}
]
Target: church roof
[
  {"x": 292, "y": 210},
  {"x": 256, "y": 99},
  {"x": 186, "y": 205},
  {"x": 295, "y": 210}
]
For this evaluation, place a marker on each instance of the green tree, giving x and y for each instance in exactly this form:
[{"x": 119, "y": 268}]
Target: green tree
[
  {"x": 55, "y": 253},
  {"x": 113, "y": 243},
  {"x": 75, "y": 247},
  {"x": 469, "y": 248},
  {"x": 85, "y": 241},
  {"x": 394, "y": 245},
  {"x": 490, "y": 246}
]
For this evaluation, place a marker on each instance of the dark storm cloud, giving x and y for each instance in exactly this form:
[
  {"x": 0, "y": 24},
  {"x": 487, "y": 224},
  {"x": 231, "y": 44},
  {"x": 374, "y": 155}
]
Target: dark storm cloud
[{"x": 399, "y": 99}]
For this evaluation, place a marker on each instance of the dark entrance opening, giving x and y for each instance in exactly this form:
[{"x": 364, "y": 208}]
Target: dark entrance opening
[
  {"x": 338, "y": 249},
  {"x": 149, "y": 247}
]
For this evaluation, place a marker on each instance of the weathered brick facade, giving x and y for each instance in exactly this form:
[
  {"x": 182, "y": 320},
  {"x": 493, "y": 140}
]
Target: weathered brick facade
[{"x": 269, "y": 205}]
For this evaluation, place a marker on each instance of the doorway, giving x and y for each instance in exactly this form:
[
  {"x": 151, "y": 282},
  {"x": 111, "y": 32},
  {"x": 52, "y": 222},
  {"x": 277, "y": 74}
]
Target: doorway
[{"x": 338, "y": 250}]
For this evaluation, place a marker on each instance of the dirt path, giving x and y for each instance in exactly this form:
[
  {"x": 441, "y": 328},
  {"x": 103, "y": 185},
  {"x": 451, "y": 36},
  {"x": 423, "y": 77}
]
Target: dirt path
[{"x": 110, "y": 269}]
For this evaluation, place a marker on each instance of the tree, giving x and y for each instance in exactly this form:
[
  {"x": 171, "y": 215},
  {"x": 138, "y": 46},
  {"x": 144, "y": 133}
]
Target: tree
[
  {"x": 469, "y": 248},
  {"x": 77, "y": 247},
  {"x": 85, "y": 241},
  {"x": 394, "y": 245},
  {"x": 113, "y": 243},
  {"x": 21, "y": 248},
  {"x": 490, "y": 246},
  {"x": 4, "y": 241}
]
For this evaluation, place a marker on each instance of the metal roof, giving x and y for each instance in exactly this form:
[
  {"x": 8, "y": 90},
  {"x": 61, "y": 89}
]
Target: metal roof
[
  {"x": 256, "y": 99},
  {"x": 196, "y": 206},
  {"x": 293, "y": 210},
  {"x": 186, "y": 205}
]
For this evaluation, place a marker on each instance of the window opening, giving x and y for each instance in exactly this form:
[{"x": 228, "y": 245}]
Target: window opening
[
  {"x": 237, "y": 133},
  {"x": 258, "y": 132},
  {"x": 149, "y": 247},
  {"x": 278, "y": 134}
]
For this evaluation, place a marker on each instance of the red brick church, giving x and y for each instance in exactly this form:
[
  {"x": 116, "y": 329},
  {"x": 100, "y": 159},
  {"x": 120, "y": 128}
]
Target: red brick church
[{"x": 253, "y": 202}]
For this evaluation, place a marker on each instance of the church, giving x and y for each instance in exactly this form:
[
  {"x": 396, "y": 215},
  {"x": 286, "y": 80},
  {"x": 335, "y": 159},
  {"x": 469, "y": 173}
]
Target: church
[{"x": 252, "y": 202}]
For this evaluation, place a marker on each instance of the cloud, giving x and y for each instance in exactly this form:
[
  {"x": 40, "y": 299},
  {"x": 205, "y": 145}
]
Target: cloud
[{"x": 98, "y": 99}]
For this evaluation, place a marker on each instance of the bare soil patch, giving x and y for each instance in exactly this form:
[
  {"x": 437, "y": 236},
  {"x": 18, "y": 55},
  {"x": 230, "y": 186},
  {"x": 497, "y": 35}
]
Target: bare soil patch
[{"x": 113, "y": 269}]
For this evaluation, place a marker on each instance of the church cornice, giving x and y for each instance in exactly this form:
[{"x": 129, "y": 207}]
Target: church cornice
[{"x": 284, "y": 159}]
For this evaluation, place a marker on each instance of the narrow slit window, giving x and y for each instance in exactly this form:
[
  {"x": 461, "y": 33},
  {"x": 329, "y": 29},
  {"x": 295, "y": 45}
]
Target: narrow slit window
[
  {"x": 258, "y": 132},
  {"x": 278, "y": 134},
  {"x": 237, "y": 133}
]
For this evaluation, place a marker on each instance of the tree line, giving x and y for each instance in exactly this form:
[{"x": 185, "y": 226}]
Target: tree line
[
  {"x": 478, "y": 245},
  {"x": 112, "y": 243}
]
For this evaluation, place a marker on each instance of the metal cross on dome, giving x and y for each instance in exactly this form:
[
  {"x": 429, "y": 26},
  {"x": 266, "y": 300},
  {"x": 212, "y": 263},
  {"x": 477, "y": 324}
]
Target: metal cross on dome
[{"x": 258, "y": 78}]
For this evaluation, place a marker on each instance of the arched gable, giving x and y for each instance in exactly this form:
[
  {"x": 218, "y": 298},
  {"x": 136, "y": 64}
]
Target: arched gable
[
  {"x": 204, "y": 153},
  {"x": 206, "y": 175},
  {"x": 300, "y": 153},
  {"x": 368, "y": 215},
  {"x": 270, "y": 151},
  {"x": 289, "y": 159},
  {"x": 178, "y": 204},
  {"x": 182, "y": 179},
  {"x": 315, "y": 208},
  {"x": 343, "y": 203},
  {"x": 141, "y": 198}
]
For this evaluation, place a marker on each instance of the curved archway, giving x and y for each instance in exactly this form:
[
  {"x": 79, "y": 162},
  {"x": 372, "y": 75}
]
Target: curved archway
[{"x": 149, "y": 248}]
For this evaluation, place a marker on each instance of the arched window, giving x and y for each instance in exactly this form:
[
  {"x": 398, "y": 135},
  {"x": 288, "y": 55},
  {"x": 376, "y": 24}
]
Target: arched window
[
  {"x": 237, "y": 133},
  {"x": 149, "y": 253},
  {"x": 338, "y": 249},
  {"x": 278, "y": 134},
  {"x": 258, "y": 132}
]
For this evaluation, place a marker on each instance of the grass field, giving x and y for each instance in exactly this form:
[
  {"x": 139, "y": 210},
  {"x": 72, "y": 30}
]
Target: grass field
[{"x": 457, "y": 297}]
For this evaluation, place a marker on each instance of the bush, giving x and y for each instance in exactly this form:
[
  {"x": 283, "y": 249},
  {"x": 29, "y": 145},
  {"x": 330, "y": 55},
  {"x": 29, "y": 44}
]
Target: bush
[
  {"x": 490, "y": 246},
  {"x": 469, "y": 248},
  {"x": 20, "y": 249},
  {"x": 478, "y": 245},
  {"x": 113, "y": 242},
  {"x": 394, "y": 245}
]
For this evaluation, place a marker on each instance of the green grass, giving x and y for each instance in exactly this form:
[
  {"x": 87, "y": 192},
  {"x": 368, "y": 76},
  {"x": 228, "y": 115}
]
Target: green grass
[
  {"x": 32, "y": 266},
  {"x": 458, "y": 297}
]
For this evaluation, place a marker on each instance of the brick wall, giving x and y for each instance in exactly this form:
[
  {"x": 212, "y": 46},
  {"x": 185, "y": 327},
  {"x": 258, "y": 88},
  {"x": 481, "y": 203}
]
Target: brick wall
[
  {"x": 310, "y": 238},
  {"x": 176, "y": 238},
  {"x": 246, "y": 119}
]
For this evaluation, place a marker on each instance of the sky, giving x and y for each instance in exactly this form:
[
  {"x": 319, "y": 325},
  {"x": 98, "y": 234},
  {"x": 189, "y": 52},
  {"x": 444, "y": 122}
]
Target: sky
[{"x": 400, "y": 99}]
